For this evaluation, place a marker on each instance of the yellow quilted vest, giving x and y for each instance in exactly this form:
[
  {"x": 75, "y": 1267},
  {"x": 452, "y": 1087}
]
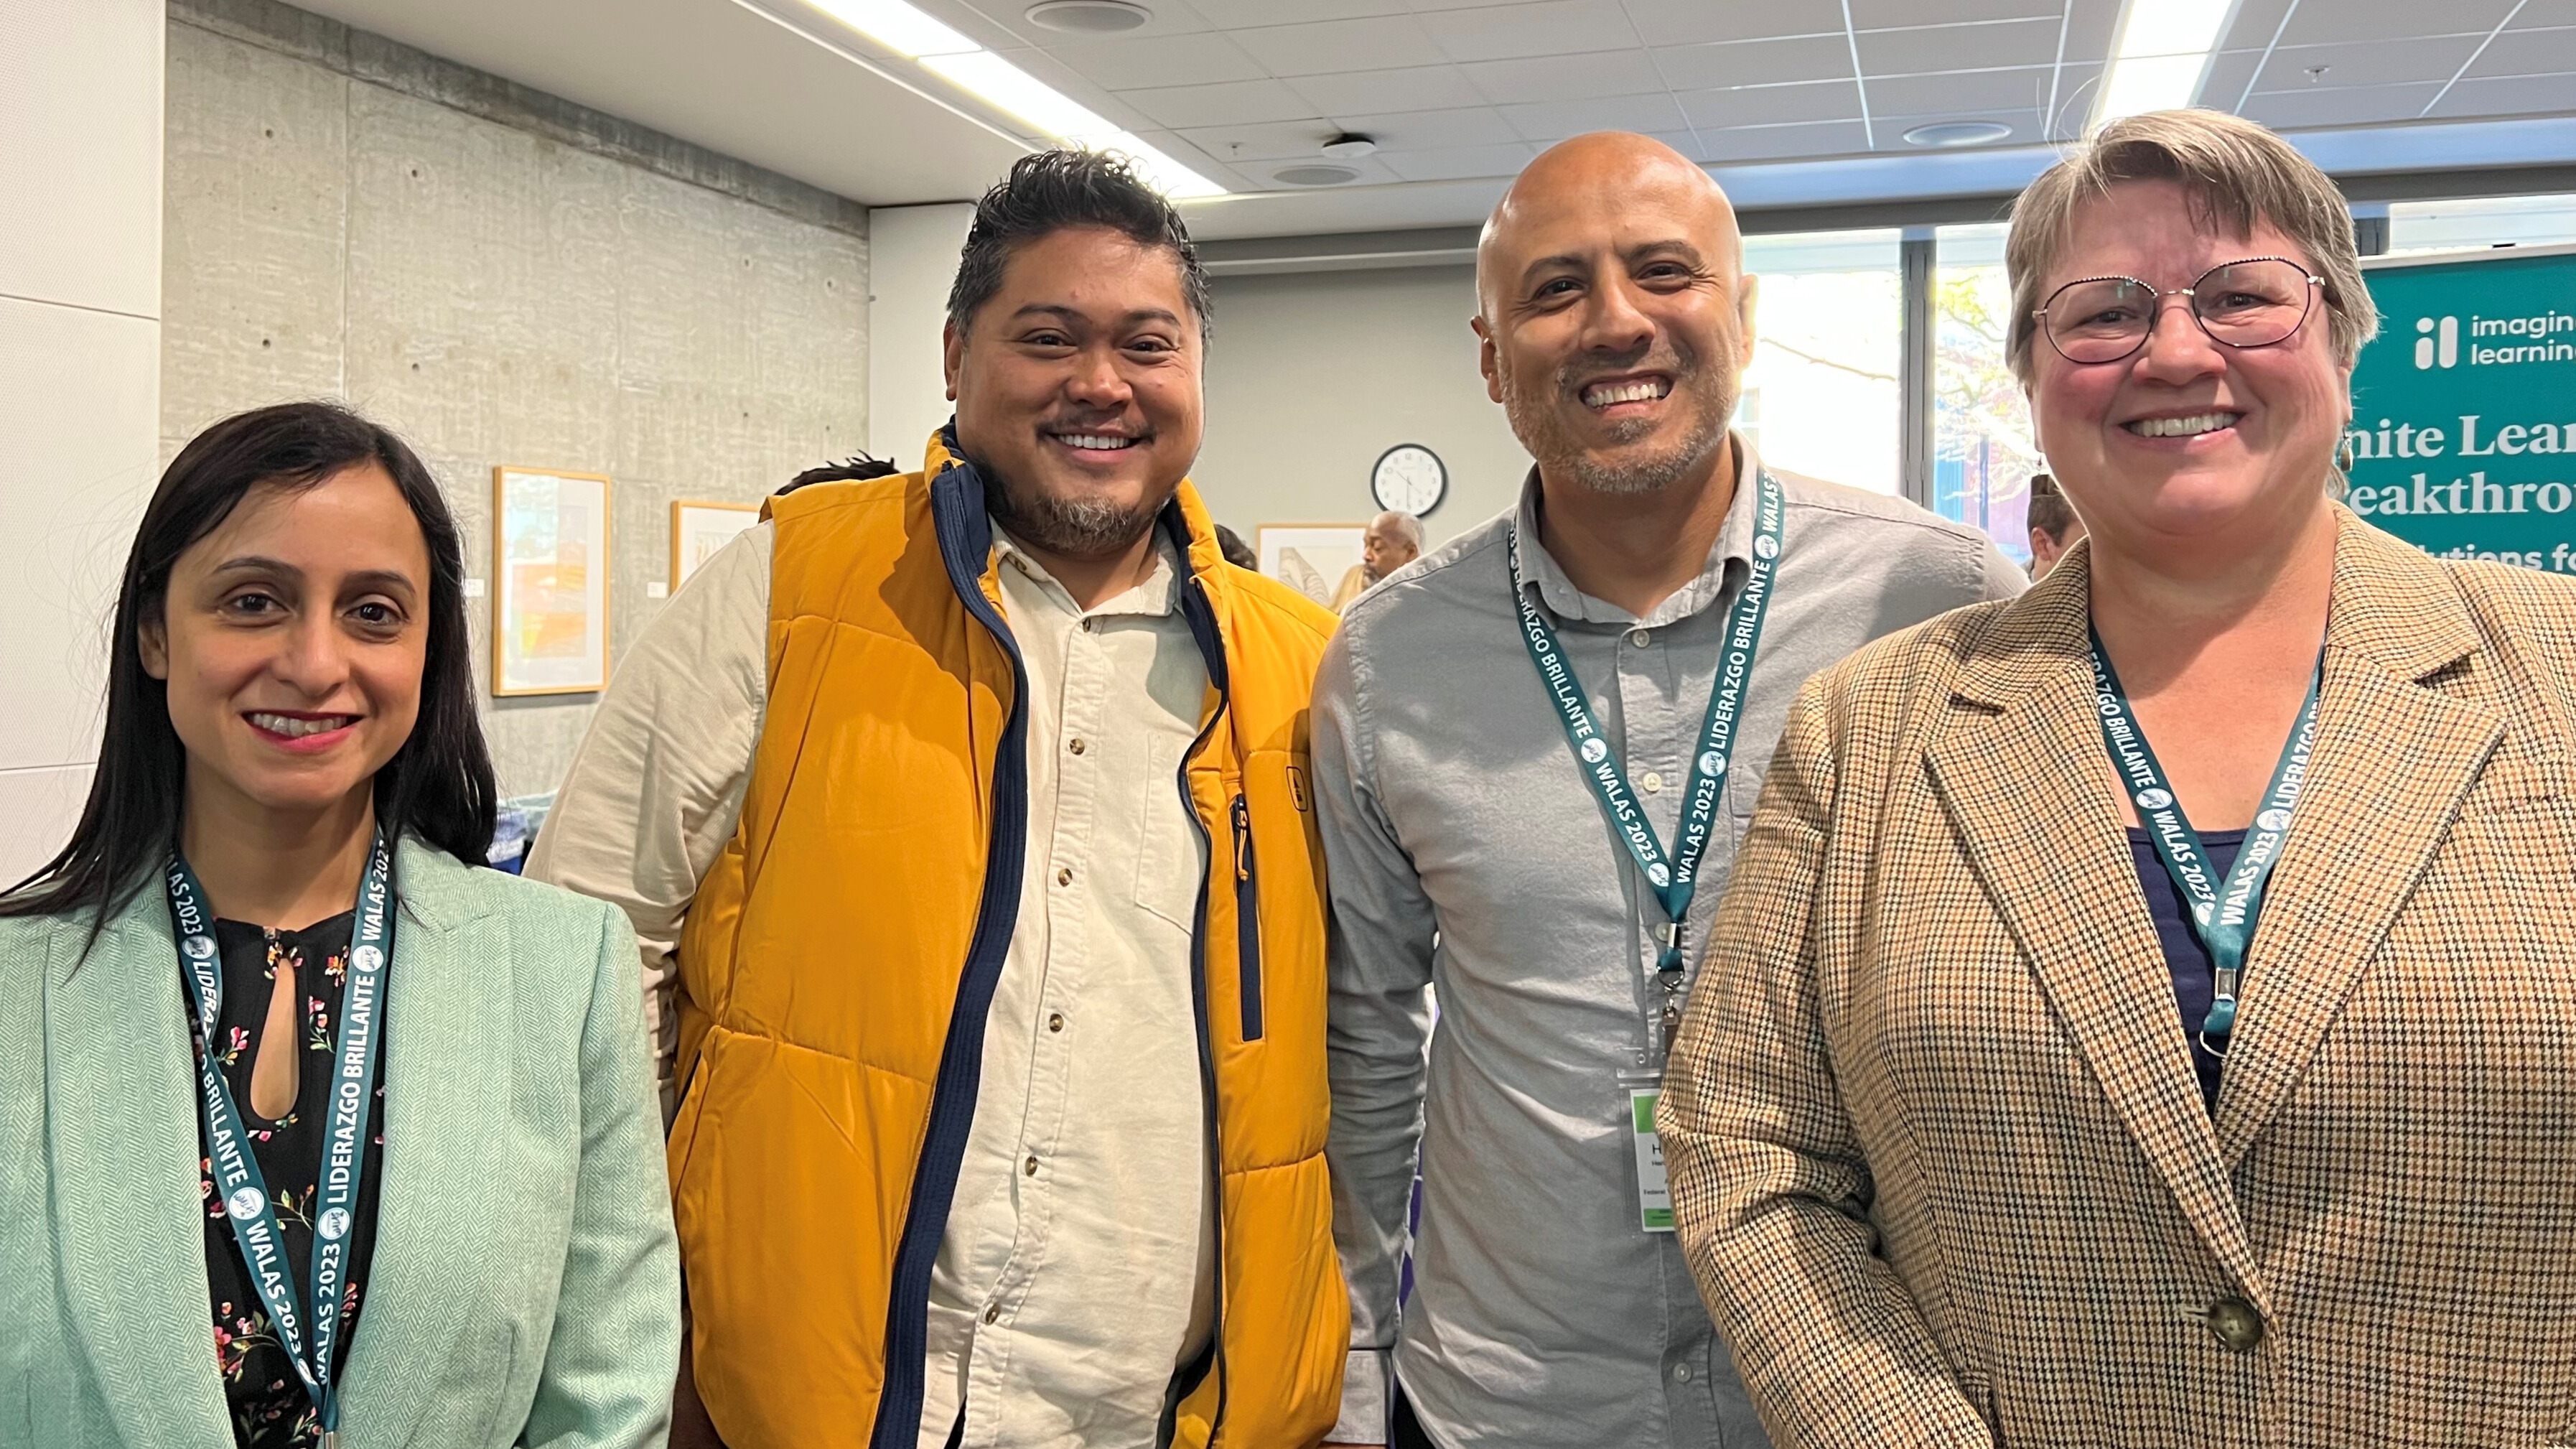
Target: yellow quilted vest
[{"x": 839, "y": 956}]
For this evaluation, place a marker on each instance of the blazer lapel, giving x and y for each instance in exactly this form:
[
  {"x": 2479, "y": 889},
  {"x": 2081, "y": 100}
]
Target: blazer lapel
[
  {"x": 2014, "y": 765},
  {"x": 445, "y": 1021},
  {"x": 122, "y": 1132},
  {"x": 2394, "y": 758}
]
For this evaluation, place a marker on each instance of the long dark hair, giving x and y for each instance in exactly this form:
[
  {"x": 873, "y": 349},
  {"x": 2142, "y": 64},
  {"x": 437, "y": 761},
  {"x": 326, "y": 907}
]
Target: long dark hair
[{"x": 438, "y": 786}]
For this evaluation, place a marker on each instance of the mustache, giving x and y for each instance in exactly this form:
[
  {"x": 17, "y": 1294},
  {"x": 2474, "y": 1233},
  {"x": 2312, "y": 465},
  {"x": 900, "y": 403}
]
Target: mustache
[{"x": 1677, "y": 361}]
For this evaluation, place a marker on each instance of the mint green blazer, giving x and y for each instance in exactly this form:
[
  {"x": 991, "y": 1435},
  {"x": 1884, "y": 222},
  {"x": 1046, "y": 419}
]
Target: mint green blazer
[{"x": 525, "y": 1285}]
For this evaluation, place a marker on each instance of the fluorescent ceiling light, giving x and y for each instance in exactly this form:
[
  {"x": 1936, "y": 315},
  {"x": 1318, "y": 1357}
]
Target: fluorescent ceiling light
[
  {"x": 903, "y": 29},
  {"x": 2163, "y": 52},
  {"x": 1023, "y": 97}
]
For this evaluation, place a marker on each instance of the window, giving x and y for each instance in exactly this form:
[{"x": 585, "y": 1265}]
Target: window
[
  {"x": 1821, "y": 396},
  {"x": 2415, "y": 227},
  {"x": 1983, "y": 452}
]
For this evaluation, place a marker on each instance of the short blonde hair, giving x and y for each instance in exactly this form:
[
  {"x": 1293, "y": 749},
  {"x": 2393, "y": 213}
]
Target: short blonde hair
[{"x": 2234, "y": 173}]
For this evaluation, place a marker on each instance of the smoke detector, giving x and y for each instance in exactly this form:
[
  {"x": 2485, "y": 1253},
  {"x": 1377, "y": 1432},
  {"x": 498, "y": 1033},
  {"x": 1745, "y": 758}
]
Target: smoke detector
[
  {"x": 1349, "y": 144},
  {"x": 1088, "y": 17}
]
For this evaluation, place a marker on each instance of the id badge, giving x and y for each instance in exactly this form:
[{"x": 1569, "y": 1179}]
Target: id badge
[{"x": 1654, "y": 1194}]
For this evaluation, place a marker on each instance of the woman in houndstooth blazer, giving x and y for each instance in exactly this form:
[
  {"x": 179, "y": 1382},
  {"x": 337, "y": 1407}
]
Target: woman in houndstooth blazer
[{"x": 1977, "y": 1134}]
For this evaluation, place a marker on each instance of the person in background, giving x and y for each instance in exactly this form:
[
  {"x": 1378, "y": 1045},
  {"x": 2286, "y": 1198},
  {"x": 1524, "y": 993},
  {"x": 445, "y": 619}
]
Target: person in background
[
  {"x": 974, "y": 802},
  {"x": 315, "y": 1130},
  {"x": 2053, "y": 526},
  {"x": 2142, "y": 1009},
  {"x": 1236, "y": 551},
  {"x": 1506, "y": 736},
  {"x": 1393, "y": 540}
]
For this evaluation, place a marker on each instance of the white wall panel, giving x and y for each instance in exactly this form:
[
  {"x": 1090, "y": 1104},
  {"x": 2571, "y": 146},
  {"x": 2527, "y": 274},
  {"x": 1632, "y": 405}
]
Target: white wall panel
[
  {"x": 80, "y": 153},
  {"x": 912, "y": 257}
]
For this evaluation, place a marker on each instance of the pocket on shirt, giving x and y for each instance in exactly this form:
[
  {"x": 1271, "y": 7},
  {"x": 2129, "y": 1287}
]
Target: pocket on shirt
[{"x": 1167, "y": 860}]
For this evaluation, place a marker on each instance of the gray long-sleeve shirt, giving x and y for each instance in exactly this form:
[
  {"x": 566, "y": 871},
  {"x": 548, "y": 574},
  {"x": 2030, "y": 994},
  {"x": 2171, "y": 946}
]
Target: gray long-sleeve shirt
[{"x": 1468, "y": 854}]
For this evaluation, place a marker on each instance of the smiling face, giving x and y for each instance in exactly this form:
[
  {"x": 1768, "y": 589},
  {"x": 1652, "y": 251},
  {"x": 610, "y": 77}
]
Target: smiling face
[
  {"x": 2187, "y": 441},
  {"x": 1077, "y": 389},
  {"x": 1615, "y": 318},
  {"x": 292, "y": 639}
]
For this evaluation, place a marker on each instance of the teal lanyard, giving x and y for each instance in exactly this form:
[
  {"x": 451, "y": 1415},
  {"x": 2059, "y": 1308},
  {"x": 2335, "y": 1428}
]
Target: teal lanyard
[
  {"x": 2222, "y": 914},
  {"x": 238, "y": 1183},
  {"x": 1674, "y": 878}
]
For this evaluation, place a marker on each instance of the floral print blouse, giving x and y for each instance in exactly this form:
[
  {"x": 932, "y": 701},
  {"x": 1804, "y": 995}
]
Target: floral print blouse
[{"x": 268, "y": 1404}]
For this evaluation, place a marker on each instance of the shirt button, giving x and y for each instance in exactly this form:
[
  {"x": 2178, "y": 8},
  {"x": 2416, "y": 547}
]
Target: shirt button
[
  {"x": 1064, "y": 877},
  {"x": 2236, "y": 1324},
  {"x": 1639, "y": 637},
  {"x": 1681, "y": 1373},
  {"x": 1055, "y": 1021},
  {"x": 1030, "y": 1167},
  {"x": 1077, "y": 746},
  {"x": 1086, "y": 626},
  {"x": 1653, "y": 782},
  {"x": 992, "y": 1313}
]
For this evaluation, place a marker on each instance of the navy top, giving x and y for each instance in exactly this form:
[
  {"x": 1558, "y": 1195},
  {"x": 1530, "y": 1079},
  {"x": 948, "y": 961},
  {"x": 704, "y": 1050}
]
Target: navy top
[{"x": 2185, "y": 958}]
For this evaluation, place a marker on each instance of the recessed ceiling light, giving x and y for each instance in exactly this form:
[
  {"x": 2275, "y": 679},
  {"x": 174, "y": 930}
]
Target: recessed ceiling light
[
  {"x": 1957, "y": 133},
  {"x": 1315, "y": 175},
  {"x": 1089, "y": 17},
  {"x": 1350, "y": 143},
  {"x": 2162, "y": 52}
]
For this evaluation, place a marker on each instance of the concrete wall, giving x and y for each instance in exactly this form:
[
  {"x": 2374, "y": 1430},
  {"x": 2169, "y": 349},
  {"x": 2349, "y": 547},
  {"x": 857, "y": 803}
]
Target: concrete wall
[
  {"x": 80, "y": 303},
  {"x": 912, "y": 259},
  {"x": 1312, "y": 376},
  {"x": 503, "y": 278}
]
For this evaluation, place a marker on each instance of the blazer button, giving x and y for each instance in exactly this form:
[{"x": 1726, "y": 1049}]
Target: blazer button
[{"x": 2236, "y": 1324}]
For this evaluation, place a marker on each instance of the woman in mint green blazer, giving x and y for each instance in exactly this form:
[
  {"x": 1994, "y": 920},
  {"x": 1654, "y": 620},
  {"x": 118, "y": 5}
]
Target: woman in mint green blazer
[{"x": 315, "y": 1132}]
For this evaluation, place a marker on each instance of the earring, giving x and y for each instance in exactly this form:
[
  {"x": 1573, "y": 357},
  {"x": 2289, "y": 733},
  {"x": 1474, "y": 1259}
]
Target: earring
[{"x": 2344, "y": 456}]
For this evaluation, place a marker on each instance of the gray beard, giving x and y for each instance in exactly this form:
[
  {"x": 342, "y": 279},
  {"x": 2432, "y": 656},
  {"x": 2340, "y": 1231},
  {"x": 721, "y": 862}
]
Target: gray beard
[
  {"x": 1073, "y": 528},
  {"x": 1534, "y": 419}
]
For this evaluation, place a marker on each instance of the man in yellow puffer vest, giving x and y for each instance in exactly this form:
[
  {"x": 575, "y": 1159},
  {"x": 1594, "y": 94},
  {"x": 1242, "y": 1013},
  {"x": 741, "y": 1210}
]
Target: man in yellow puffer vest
[{"x": 975, "y": 805}]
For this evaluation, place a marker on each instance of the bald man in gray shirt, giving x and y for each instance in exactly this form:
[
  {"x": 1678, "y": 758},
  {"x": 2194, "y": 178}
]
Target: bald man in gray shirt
[{"x": 1495, "y": 729}]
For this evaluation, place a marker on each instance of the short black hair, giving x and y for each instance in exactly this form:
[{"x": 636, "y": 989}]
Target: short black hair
[
  {"x": 2049, "y": 512},
  {"x": 1059, "y": 190}
]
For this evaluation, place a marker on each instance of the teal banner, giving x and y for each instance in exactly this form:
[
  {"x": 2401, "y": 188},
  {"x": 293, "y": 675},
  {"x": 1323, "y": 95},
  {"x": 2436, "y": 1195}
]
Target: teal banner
[{"x": 2464, "y": 410}]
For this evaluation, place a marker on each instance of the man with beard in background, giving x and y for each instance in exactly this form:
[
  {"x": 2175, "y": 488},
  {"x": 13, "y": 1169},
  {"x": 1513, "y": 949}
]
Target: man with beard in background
[{"x": 1535, "y": 754}]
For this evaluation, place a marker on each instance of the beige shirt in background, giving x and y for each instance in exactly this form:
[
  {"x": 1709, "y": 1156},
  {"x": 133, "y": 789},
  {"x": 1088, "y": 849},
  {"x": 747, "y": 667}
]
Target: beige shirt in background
[{"x": 1078, "y": 1268}]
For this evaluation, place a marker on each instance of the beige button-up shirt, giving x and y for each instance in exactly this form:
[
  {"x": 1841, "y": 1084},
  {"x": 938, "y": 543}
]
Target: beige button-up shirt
[{"x": 1078, "y": 1269}]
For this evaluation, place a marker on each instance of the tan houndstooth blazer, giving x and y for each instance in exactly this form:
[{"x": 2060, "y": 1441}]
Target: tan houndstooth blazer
[{"x": 1939, "y": 1160}]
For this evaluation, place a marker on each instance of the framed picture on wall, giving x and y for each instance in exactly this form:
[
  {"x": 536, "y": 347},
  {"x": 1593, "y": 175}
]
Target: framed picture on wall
[
  {"x": 549, "y": 581},
  {"x": 698, "y": 529},
  {"x": 1315, "y": 559}
]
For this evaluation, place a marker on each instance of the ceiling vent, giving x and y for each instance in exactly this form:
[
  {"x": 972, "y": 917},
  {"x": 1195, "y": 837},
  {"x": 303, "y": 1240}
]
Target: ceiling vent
[
  {"x": 1088, "y": 17},
  {"x": 1314, "y": 175},
  {"x": 1946, "y": 134}
]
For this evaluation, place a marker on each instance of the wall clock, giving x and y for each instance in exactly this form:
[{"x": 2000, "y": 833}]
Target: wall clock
[{"x": 1409, "y": 478}]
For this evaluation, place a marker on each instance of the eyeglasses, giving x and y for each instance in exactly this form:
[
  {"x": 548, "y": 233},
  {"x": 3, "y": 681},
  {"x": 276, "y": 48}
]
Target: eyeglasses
[{"x": 2256, "y": 302}]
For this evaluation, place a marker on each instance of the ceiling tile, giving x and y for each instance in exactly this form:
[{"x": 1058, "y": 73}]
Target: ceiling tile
[
  {"x": 1459, "y": 163},
  {"x": 1232, "y": 104},
  {"x": 1774, "y": 143},
  {"x": 1269, "y": 141},
  {"x": 2256, "y": 22},
  {"x": 2368, "y": 62},
  {"x": 2075, "y": 87},
  {"x": 1567, "y": 77},
  {"x": 2529, "y": 52},
  {"x": 2520, "y": 95},
  {"x": 1411, "y": 88},
  {"x": 1999, "y": 93},
  {"x": 1755, "y": 62},
  {"x": 1555, "y": 120},
  {"x": 2545, "y": 15},
  {"x": 1341, "y": 45},
  {"x": 1239, "y": 14},
  {"x": 1958, "y": 47},
  {"x": 1549, "y": 27},
  {"x": 2315, "y": 24},
  {"x": 1688, "y": 22},
  {"x": 1773, "y": 105},
  {"x": 2349, "y": 106},
  {"x": 1884, "y": 14},
  {"x": 2231, "y": 75},
  {"x": 1154, "y": 61},
  {"x": 1432, "y": 130},
  {"x": 1179, "y": 148}
]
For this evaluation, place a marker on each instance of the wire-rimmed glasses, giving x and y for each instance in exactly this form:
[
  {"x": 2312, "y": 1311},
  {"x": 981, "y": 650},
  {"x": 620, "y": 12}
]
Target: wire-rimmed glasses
[{"x": 2256, "y": 302}]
